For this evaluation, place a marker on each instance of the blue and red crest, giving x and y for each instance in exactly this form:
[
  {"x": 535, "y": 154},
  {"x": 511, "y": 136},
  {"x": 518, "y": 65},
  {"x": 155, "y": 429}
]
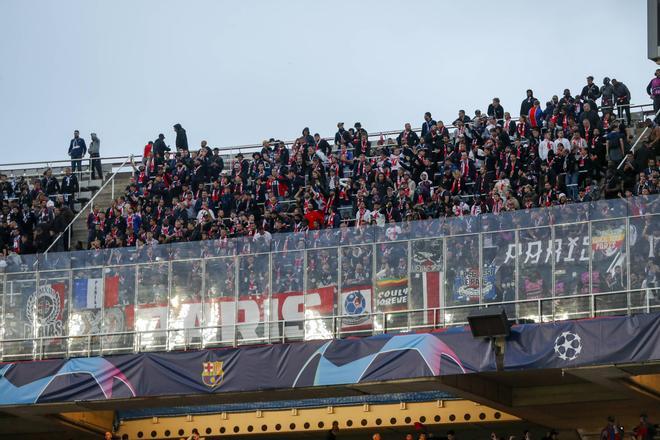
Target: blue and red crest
[{"x": 212, "y": 373}]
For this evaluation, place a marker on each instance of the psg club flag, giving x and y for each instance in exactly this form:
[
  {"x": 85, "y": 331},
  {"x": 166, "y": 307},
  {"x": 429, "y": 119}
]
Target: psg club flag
[
  {"x": 88, "y": 293},
  {"x": 94, "y": 293}
]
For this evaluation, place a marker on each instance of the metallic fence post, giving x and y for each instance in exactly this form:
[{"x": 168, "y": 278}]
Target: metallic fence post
[
  {"x": 480, "y": 264},
  {"x": 35, "y": 330},
  {"x": 628, "y": 267},
  {"x": 374, "y": 271},
  {"x": 136, "y": 339},
  {"x": 2, "y": 316},
  {"x": 553, "y": 254},
  {"x": 102, "y": 326},
  {"x": 305, "y": 287},
  {"x": 445, "y": 284},
  {"x": 69, "y": 295},
  {"x": 409, "y": 317},
  {"x": 516, "y": 273},
  {"x": 168, "y": 342},
  {"x": 267, "y": 310},
  {"x": 336, "y": 306},
  {"x": 592, "y": 301},
  {"x": 202, "y": 331},
  {"x": 237, "y": 288}
]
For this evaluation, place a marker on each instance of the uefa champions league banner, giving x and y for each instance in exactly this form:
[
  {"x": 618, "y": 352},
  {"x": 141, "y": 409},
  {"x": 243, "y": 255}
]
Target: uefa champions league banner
[
  {"x": 588, "y": 342},
  {"x": 281, "y": 366},
  {"x": 327, "y": 363}
]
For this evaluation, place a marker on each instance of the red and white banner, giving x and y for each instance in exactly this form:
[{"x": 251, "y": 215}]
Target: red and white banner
[
  {"x": 427, "y": 287},
  {"x": 249, "y": 313}
]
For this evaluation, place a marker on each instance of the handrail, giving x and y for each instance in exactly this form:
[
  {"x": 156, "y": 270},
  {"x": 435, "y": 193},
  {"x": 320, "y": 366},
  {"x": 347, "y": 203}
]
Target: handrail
[
  {"x": 641, "y": 135},
  {"x": 240, "y": 148},
  {"x": 83, "y": 209},
  {"x": 65, "y": 161}
]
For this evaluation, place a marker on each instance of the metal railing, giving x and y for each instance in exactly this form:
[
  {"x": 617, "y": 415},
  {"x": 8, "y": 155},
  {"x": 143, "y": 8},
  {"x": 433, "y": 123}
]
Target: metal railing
[
  {"x": 547, "y": 264},
  {"x": 639, "y": 138},
  {"x": 89, "y": 204},
  {"x": 246, "y": 148}
]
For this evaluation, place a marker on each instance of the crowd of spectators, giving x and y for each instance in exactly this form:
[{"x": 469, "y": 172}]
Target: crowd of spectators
[{"x": 571, "y": 150}]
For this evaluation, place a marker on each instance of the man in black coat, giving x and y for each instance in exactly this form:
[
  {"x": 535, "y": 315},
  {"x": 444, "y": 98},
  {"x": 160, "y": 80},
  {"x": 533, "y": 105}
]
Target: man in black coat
[
  {"x": 181, "y": 137},
  {"x": 588, "y": 112},
  {"x": 495, "y": 110},
  {"x": 607, "y": 95},
  {"x": 622, "y": 98},
  {"x": 159, "y": 145},
  {"x": 428, "y": 123},
  {"x": 407, "y": 137},
  {"x": 590, "y": 92},
  {"x": 69, "y": 187},
  {"x": 527, "y": 103}
]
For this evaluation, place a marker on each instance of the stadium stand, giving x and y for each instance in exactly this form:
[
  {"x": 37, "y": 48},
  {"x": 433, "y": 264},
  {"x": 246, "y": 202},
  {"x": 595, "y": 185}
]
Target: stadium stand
[{"x": 490, "y": 163}]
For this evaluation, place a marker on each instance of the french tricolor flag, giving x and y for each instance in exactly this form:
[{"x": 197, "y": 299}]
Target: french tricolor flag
[{"x": 88, "y": 293}]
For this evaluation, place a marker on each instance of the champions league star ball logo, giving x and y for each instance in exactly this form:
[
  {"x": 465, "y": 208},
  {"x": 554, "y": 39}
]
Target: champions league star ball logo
[{"x": 568, "y": 346}]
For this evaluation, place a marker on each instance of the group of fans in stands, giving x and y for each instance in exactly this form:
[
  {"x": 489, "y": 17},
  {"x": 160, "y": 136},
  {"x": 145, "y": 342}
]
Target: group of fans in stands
[{"x": 570, "y": 150}]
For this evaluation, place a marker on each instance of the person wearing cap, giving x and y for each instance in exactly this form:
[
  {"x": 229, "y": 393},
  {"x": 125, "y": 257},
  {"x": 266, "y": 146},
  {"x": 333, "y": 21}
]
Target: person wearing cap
[
  {"x": 94, "y": 154},
  {"x": 159, "y": 146},
  {"x": 590, "y": 92},
  {"x": 341, "y": 133}
]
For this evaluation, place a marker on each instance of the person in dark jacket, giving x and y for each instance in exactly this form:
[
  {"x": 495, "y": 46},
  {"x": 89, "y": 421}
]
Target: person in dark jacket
[
  {"x": 589, "y": 113},
  {"x": 69, "y": 187},
  {"x": 160, "y": 148},
  {"x": 77, "y": 149},
  {"x": 653, "y": 89},
  {"x": 50, "y": 184},
  {"x": 527, "y": 103},
  {"x": 341, "y": 134},
  {"x": 622, "y": 98},
  {"x": 181, "y": 137},
  {"x": 607, "y": 96},
  {"x": 590, "y": 92},
  {"x": 496, "y": 111},
  {"x": 428, "y": 123}
]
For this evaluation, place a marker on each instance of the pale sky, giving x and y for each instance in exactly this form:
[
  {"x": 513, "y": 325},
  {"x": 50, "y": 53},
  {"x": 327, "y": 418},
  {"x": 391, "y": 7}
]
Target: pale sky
[{"x": 238, "y": 72}]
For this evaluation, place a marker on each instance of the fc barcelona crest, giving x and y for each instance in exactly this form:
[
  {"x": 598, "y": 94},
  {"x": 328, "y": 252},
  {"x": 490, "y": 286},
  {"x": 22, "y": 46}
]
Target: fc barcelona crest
[{"x": 212, "y": 373}]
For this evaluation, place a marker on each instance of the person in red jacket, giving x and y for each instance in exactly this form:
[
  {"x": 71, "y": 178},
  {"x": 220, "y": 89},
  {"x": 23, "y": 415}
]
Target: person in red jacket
[{"x": 535, "y": 115}]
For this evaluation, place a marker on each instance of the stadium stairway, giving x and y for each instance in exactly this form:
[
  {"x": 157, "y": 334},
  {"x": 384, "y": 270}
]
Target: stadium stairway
[{"x": 103, "y": 200}]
